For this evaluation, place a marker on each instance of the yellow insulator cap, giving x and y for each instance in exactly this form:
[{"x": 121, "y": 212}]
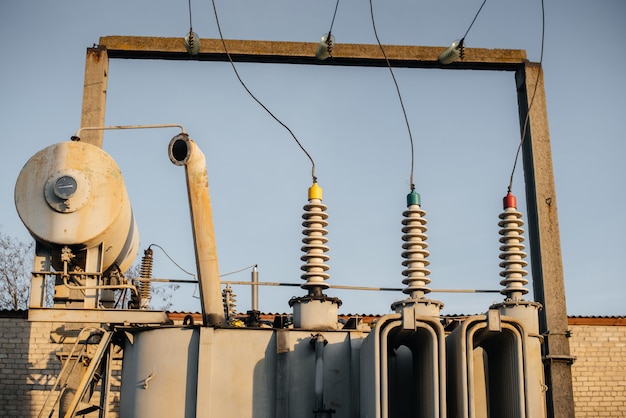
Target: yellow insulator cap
[{"x": 315, "y": 192}]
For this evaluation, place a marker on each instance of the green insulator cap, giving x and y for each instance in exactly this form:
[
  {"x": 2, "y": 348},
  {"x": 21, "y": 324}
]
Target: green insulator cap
[{"x": 413, "y": 198}]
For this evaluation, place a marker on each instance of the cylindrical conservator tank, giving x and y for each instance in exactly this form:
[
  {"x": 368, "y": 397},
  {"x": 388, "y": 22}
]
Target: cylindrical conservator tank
[{"x": 73, "y": 194}]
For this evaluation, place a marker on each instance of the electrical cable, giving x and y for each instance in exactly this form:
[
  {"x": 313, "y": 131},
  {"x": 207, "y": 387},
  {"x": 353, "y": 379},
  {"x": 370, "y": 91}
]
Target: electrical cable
[
  {"x": 462, "y": 40},
  {"x": 238, "y": 271},
  {"x": 325, "y": 48},
  {"x": 474, "y": 20},
  {"x": 219, "y": 29},
  {"x": 190, "y": 25},
  {"x": 406, "y": 119},
  {"x": 192, "y": 42},
  {"x": 332, "y": 22},
  {"x": 120, "y": 298},
  {"x": 171, "y": 259},
  {"x": 532, "y": 100},
  {"x": 327, "y": 42},
  {"x": 457, "y": 49}
]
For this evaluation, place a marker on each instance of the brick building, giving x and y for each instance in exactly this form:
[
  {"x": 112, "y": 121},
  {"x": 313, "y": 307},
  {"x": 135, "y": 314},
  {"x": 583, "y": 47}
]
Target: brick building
[
  {"x": 29, "y": 365},
  {"x": 599, "y": 372}
]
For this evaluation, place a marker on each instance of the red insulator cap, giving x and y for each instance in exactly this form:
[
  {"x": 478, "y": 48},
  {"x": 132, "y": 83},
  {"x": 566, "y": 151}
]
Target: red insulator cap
[{"x": 509, "y": 201}]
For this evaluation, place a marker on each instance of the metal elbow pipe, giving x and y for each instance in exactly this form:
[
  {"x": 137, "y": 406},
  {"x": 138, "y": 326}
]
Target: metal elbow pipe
[{"x": 184, "y": 152}]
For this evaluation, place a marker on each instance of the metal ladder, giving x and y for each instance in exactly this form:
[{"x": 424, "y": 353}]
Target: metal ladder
[{"x": 76, "y": 406}]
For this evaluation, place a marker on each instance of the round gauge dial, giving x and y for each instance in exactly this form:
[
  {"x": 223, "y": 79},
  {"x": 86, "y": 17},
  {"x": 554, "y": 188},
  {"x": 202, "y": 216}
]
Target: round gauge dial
[
  {"x": 65, "y": 187},
  {"x": 67, "y": 190}
]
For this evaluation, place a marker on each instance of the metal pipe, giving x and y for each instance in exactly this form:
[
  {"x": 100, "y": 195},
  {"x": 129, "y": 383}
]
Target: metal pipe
[
  {"x": 255, "y": 289},
  {"x": 255, "y": 284},
  {"x": 106, "y": 128},
  {"x": 96, "y": 287},
  {"x": 344, "y": 287},
  {"x": 184, "y": 152}
]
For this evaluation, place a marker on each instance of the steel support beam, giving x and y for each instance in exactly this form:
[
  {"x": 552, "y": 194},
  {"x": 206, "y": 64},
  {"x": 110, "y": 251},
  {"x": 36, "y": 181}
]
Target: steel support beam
[{"x": 544, "y": 237}]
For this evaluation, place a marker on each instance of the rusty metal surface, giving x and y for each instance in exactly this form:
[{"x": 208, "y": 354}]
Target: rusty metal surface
[
  {"x": 98, "y": 211},
  {"x": 185, "y": 152},
  {"x": 139, "y": 47}
]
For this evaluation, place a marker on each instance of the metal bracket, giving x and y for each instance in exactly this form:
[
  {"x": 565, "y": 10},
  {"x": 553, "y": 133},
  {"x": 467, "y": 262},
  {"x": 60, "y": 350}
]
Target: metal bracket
[
  {"x": 567, "y": 333},
  {"x": 559, "y": 357},
  {"x": 409, "y": 319},
  {"x": 494, "y": 323}
]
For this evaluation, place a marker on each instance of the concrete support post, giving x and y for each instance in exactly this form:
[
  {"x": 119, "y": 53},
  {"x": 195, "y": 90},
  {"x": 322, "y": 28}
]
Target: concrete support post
[
  {"x": 94, "y": 94},
  {"x": 545, "y": 245}
]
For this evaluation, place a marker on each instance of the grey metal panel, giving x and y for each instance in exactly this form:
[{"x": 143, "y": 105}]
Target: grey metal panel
[
  {"x": 236, "y": 372},
  {"x": 241, "y": 381},
  {"x": 159, "y": 374}
]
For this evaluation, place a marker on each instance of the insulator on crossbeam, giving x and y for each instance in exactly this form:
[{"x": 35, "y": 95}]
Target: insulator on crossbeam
[
  {"x": 325, "y": 48},
  {"x": 314, "y": 243},
  {"x": 192, "y": 43},
  {"x": 512, "y": 254},
  {"x": 415, "y": 251},
  {"x": 453, "y": 52}
]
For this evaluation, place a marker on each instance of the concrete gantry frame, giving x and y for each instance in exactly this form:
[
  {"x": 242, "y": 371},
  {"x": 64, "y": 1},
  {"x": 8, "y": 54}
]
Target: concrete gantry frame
[{"x": 544, "y": 237}]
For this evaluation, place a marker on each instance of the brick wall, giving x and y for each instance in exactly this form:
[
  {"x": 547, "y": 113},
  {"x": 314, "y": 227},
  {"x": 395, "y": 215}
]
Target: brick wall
[
  {"x": 29, "y": 366},
  {"x": 599, "y": 372}
]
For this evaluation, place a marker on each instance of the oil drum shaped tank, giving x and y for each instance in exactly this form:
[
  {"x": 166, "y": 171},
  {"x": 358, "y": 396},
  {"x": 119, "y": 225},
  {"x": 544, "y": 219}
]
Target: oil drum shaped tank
[{"x": 73, "y": 194}]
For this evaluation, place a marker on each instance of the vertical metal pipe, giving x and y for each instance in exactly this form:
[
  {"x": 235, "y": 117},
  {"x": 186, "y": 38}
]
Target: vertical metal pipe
[
  {"x": 183, "y": 151},
  {"x": 255, "y": 288}
]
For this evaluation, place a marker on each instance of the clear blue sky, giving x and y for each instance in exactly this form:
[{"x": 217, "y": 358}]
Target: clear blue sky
[{"x": 464, "y": 126}]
